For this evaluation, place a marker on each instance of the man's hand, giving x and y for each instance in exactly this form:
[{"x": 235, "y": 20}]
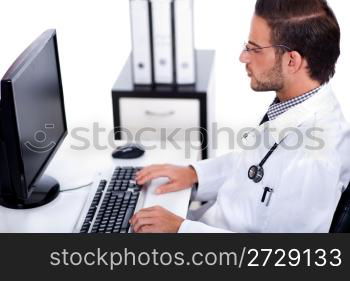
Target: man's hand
[
  {"x": 155, "y": 220},
  {"x": 179, "y": 177}
]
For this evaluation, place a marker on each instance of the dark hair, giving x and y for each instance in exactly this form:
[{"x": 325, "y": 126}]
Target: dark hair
[{"x": 308, "y": 27}]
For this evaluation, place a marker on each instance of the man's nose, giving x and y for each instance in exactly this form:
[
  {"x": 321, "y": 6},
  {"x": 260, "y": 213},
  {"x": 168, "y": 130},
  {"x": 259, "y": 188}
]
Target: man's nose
[{"x": 244, "y": 57}]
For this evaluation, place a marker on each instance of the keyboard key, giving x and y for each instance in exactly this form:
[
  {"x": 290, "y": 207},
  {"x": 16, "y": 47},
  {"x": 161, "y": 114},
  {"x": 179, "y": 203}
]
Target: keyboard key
[
  {"x": 127, "y": 196},
  {"x": 84, "y": 229},
  {"x": 127, "y": 217}
]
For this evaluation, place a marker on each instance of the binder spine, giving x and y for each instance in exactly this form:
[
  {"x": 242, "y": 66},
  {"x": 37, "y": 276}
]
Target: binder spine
[
  {"x": 162, "y": 41},
  {"x": 184, "y": 42},
  {"x": 140, "y": 17}
]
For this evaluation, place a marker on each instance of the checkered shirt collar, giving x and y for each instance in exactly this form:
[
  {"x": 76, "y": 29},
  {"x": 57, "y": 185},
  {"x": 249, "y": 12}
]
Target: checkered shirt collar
[{"x": 277, "y": 108}]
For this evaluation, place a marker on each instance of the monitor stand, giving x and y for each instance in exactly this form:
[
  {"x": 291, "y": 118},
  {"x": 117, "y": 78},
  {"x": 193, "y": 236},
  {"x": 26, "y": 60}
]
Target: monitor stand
[{"x": 44, "y": 191}]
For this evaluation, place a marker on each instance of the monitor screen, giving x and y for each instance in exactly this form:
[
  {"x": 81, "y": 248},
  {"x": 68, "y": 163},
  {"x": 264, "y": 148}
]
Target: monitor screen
[
  {"x": 33, "y": 119},
  {"x": 39, "y": 110}
]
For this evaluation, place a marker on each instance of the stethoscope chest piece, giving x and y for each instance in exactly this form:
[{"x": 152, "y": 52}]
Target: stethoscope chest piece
[{"x": 256, "y": 173}]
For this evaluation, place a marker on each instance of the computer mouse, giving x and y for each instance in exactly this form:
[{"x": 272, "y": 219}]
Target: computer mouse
[{"x": 128, "y": 151}]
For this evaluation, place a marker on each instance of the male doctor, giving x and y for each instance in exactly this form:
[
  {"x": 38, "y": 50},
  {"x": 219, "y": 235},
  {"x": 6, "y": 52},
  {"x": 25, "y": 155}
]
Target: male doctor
[{"x": 293, "y": 181}]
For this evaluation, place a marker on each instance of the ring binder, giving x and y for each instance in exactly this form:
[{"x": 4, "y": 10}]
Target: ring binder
[
  {"x": 184, "y": 42},
  {"x": 162, "y": 41},
  {"x": 141, "y": 42}
]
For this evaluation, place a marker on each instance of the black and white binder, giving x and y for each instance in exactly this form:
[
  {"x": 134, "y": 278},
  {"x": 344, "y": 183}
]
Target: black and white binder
[
  {"x": 141, "y": 41},
  {"x": 162, "y": 41},
  {"x": 184, "y": 42}
]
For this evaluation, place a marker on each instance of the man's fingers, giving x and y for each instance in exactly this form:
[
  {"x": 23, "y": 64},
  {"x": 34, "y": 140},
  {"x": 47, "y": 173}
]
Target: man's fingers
[
  {"x": 168, "y": 187},
  {"x": 143, "y": 213},
  {"x": 146, "y": 170},
  {"x": 147, "y": 174},
  {"x": 152, "y": 175},
  {"x": 139, "y": 223},
  {"x": 148, "y": 229}
]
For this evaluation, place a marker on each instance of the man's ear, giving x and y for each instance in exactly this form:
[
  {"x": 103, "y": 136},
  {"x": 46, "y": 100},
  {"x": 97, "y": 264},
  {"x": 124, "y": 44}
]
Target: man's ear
[{"x": 294, "y": 61}]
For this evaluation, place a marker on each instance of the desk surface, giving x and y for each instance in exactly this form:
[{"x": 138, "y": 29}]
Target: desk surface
[{"x": 73, "y": 168}]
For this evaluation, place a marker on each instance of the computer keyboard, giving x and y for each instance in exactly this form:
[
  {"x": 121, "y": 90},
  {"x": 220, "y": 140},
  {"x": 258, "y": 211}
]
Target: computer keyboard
[{"x": 113, "y": 206}]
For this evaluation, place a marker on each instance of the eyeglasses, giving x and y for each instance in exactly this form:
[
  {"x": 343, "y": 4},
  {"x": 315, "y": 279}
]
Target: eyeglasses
[{"x": 246, "y": 48}]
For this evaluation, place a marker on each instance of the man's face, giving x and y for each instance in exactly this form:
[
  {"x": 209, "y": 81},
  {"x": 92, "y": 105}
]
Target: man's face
[{"x": 263, "y": 66}]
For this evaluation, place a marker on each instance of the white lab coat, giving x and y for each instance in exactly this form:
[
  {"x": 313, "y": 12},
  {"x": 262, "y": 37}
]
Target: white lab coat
[{"x": 307, "y": 183}]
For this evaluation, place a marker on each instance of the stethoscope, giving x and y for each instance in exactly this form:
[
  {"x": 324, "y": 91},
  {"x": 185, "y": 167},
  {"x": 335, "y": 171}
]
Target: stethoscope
[{"x": 256, "y": 172}]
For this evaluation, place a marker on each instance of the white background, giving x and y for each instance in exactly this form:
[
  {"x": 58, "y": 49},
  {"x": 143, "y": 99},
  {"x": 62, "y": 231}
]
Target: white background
[{"x": 94, "y": 43}]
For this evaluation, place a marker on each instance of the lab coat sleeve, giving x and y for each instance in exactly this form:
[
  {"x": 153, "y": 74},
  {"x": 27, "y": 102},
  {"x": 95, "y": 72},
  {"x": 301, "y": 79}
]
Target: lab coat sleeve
[
  {"x": 189, "y": 226},
  {"x": 212, "y": 174}
]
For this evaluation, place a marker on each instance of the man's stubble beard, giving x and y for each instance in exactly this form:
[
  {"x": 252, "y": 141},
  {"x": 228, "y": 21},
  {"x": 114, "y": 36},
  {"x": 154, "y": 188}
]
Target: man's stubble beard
[{"x": 272, "y": 80}]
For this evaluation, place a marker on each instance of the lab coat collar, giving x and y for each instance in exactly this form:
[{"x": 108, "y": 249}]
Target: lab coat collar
[{"x": 297, "y": 115}]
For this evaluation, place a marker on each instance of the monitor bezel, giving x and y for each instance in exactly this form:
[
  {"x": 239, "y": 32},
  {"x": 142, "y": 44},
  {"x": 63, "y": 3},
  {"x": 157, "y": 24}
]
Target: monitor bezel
[{"x": 21, "y": 187}]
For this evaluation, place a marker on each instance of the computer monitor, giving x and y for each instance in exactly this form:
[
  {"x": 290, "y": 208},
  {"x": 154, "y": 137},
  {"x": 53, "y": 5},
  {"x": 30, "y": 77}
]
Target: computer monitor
[{"x": 33, "y": 125}]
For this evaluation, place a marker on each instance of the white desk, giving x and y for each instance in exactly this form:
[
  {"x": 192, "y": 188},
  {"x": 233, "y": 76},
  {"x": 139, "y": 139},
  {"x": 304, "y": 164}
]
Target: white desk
[{"x": 74, "y": 168}]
